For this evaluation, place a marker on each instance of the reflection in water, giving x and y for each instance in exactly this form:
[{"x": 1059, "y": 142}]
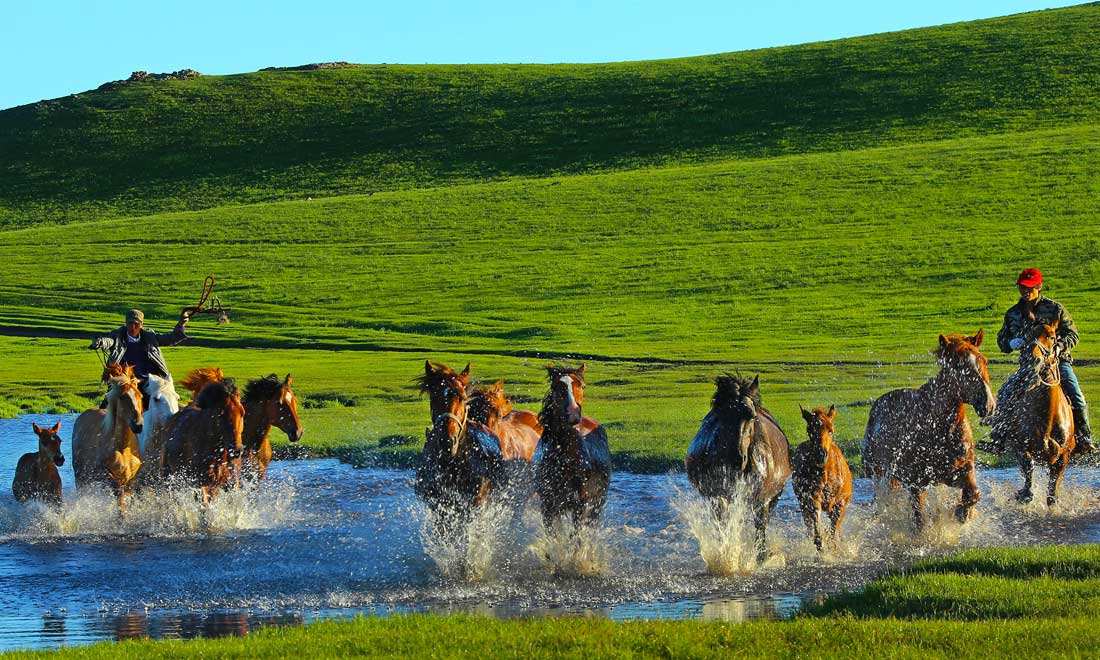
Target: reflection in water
[{"x": 321, "y": 539}]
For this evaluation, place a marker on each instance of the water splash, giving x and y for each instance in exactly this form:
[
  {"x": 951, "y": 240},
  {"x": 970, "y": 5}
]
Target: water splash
[
  {"x": 92, "y": 512},
  {"x": 474, "y": 551},
  {"x": 727, "y": 542},
  {"x": 568, "y": 550}
]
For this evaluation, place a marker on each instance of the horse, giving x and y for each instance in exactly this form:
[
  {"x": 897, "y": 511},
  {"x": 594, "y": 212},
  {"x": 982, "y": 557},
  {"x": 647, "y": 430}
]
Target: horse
[
  {"x": 517, "y": 430},
  {"x": 919, "y": 437},
  {"x": 197, "y": 379},
  {"x": 1042, "y": 424},
  {"x": 822, "y": 479},
  {"x": 573, "y": 460},
  {"x": 447, "y": 478},
  {"x": 163, "y": 403},
  {"x": 36, "y": 474},
  {"x": 202, "y": 442},
  {"x": 105, "y": 440},
  {"x": 740, "y": 442},
  {"x": 268, "y": 402}
]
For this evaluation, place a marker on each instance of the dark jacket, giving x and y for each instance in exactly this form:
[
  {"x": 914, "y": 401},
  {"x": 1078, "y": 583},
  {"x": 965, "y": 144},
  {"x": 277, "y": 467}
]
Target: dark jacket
[
  {"x": 114, "y": 344},
  {"x": 1017, "y": 324}
]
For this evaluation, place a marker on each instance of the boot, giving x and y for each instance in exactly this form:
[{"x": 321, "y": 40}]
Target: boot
[{"x": 1084, "y": 433}]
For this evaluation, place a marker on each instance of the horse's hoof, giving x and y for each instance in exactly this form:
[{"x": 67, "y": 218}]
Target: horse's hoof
[
  {"x": 1051, "y": 501},
  {"x": 963, "y": 513},
  {"x": 1024, "y": 497}
]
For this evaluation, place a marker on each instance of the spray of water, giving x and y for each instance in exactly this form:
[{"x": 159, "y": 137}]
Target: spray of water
[
  {"x": 570, "y": 550},
  {"x": 473, "y": 551},
  {"x": 172, "y": 512}
]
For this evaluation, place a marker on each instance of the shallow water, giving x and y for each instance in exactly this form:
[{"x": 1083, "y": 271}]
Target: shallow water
[{"x": 323, "y": 539}]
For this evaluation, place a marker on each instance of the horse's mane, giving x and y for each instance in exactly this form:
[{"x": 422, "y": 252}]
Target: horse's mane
[
  {"x": 730, "y": 387},
  {"x": 487, "y": 399},
  {"x": 263, "y": 389},
  {"x": 198, "y": 379},
  {"x": 216, "y": 395}
]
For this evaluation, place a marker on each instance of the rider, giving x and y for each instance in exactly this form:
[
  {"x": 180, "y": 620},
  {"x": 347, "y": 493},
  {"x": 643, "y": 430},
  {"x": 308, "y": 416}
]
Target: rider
[
  {"x": 139, "y": 348},
  {"x": 1021, "y": 327}
]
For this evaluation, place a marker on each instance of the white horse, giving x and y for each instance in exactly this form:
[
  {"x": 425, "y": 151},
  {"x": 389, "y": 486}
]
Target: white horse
[{"x": 164, "y": 402}]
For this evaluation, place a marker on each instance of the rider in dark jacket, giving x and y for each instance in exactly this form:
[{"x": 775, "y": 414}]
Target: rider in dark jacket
[
  {"x": 135, "y": 346},
  {"x": 1021, "y": 326}
]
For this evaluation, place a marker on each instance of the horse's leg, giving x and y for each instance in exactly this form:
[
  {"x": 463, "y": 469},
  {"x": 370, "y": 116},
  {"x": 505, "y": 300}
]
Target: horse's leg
[
  {"x": 969, "y": 497},
  {"x": 762, "y": 514},
  {"x": 810, "y": 516},
  {"x": 836, "y": 518},
  {"x": 1027, "y": 467},
  {"x": 1057, "y": 471},
  {"x": 916, "y": 500}
]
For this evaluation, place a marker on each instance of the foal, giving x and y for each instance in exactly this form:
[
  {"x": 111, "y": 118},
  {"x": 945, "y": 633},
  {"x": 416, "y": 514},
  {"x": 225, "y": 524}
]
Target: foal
[
  {"x": 36, "y": 474},
  {"x": 822, "y": 478}
]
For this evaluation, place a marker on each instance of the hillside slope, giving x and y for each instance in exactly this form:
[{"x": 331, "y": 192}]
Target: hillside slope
[{"x": 193, "y": 144}]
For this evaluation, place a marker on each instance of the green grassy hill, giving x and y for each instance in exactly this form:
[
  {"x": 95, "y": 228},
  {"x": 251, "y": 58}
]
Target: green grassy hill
[{"x": 277, "y": 135}]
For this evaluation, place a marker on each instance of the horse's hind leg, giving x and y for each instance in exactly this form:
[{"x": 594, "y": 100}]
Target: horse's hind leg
[
  {"x": 1027, "y": 467},
  {"x": 1057, "y": 471},
  {"x": 836, "y": 518},
  {"x": 811, "y": 516},
  {"x": 761, "y": 515}
]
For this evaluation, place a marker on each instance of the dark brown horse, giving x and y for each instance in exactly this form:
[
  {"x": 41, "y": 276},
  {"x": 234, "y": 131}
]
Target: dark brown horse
[
  {"x": 268, "y": 402},
  {"x": 917, "y": 438},
  {"x": 1042, "y": 420},
  {"x": 822, "y": 479},
  {"x": 517, "y": 430},
  {"x": 573, "y": 460},
  {"x": 447, "y": 477},
  {"x": 202, "y": 442},
  {"x": 740, "y": 442},
  {"x": 36, "y": 475}
]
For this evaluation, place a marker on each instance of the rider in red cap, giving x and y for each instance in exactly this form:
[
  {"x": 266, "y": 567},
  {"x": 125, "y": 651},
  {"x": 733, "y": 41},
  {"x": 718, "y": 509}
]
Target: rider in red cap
[{"x": 1021, "y": 327}]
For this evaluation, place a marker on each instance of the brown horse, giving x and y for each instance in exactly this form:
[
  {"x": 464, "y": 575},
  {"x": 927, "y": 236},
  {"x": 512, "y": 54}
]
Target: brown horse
[
  {"x": 822, "y": 479},
  {"x": 105, "y": 440},
  {"x": 202, "y": 442},
  {"x": 1042, "y": 426},
  {"x": 36, "y": 474},
  {"x": 268, "y": 402},
  {"x": 199, "y": 378},
  {"x": 739, "y": 441},
  {"x": 573, "y": 460},
  {"x": 447, "y": 477},
  {"x": 517, "y": 430},
  {"x": 916, "y": 438}
]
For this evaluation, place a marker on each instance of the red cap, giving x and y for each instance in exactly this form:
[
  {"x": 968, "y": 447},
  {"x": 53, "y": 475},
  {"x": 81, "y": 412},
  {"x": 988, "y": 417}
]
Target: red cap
[{"x": 1030, "y": 277}]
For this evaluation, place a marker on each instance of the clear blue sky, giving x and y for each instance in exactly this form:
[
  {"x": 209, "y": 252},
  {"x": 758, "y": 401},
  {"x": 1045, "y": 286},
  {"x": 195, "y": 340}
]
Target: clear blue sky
[{"x": 51, "y": 48}]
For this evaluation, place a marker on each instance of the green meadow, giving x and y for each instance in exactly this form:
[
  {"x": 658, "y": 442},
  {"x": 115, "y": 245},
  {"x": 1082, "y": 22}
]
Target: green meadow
[
  {"x": 817, "y": 214},
  {"x": 1030, "y": 602}
]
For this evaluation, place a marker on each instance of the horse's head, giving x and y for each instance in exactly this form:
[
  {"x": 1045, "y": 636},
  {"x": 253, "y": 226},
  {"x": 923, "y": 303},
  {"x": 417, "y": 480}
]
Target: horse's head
[
  {"x": 49, "y": 443},
  {"x": 277, "y": 402},
  {"x": 736, "y": 402},
  {"x": 225, "y": 398},
  {"x": 488, "y": 404},
  {"x": 819, "y": 424},
  {"x": 124, "y": 397},
  {"x": 447, "y": 398},
  {"x": 964, "y": 364},
  {"x": 197, "y": 379},
  {"x": 562, "y": 405},
  {"x": 162, "y": 394}
]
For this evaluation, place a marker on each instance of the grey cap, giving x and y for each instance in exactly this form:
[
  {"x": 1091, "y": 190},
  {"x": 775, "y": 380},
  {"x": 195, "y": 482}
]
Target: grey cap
[{"x": 135, "y": 316}]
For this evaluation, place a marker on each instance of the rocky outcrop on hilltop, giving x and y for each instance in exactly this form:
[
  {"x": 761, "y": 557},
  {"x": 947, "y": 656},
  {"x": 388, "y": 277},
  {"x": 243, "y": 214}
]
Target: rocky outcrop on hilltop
[
  {"x": 144, "y": 76},
  {"x": 310, "y": 67}
]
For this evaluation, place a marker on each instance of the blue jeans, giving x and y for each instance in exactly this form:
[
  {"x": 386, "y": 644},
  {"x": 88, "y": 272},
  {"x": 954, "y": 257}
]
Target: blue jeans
[{"x": 1073, "y": 390}]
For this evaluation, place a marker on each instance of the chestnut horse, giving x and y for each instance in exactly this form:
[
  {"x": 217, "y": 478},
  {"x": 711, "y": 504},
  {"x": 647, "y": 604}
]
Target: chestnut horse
[
  {"x": 448, "y": 478},
  {"x": 105, "y": 440},
  {"x": 919, "y": 437},
  {"x": 822, "y": 479},
  {"x": 573, "y": 460},
  {"x": 1042, "y": 420},
  {"x": 739, "y": 441},
  {"x": 36, "y": 474},
  {"x": 202, "y": 442},
  {"x": 518, "y": 431},
  {"x": 268, "y": 402}
]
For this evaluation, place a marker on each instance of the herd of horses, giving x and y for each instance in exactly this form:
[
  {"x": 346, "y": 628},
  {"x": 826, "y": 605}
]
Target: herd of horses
[
  {"x": 479, "y": 447},
  {"x": 915, "y": 438},
  {"x": 219, "y": 440}
]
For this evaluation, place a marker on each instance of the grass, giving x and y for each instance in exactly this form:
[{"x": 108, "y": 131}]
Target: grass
[
  {"x": 1001, "y": 607},
  {"x": 217, "y": 140}
]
